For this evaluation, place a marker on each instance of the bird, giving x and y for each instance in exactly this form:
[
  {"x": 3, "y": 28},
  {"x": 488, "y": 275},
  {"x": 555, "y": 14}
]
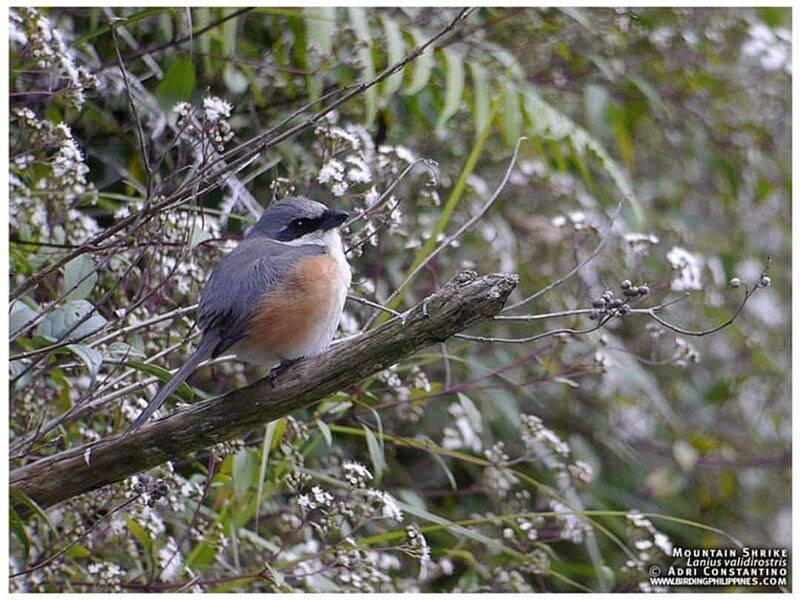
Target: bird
[{"x": 275, "y": 298}]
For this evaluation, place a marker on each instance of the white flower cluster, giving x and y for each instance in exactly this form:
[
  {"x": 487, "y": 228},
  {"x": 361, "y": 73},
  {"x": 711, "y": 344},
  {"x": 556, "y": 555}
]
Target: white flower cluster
[
  {"x": 509, "y": 580},
  {"x": 67, "y": 169},
  {"x": 463, "y": 435},
  {"x": 352, "y": 152},
  {"x": 170, "y": 560},
  {"x": 415, "y": 545},
  {"x": 361, "y": 570},
  {"x": 498, "y": 479},
  {"x": 577, "y": 219},
  {"x": 574, "y": 527},
  {"x": 689, "y": 265},
  {"x": 356, "y": 474},
  {"x": 640, "y": 243},
  {"x": 685, "y": 353},
  {"x": 211, "y": 125},
  {"x": 647, "y": 536},
  {"x": 534, "y": 433},
  {"x": 32, "y": 34},
  {"x": 107, "y": 575},
  {"x": 581, "y": 471},
  {"x": 771, "y": 47},
  {"x": 318, "y": 498},
  {"x": 389, "y": 508},
  {"x": 216, "y": 109}
]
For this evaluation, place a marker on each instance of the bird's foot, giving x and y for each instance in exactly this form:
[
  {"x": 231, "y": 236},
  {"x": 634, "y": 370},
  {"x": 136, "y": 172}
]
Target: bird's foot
[{"x": 277, "y": 370}]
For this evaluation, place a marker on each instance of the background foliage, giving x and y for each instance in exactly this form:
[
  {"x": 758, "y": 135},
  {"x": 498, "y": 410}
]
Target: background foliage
[{"x": 478, "y": 465}]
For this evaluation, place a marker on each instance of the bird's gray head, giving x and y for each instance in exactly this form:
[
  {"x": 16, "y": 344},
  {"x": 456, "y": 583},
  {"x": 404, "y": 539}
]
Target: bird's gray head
[{"x": 297, "y": 218}]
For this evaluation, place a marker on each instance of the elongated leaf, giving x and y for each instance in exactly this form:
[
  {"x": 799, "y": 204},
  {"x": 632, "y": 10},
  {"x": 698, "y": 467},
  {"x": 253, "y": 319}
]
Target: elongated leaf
[
  {"x": 395, "y": 51},
  {"x": 325, "y": 431},
  {"x": 450, "y": 477},
  {"x": 545, "y": 121},
  {"x": 320, "y": 29},
  {"x": 91, "y": 357},
  {"x": 375, "y": 453},
  {"x": 269, "y": 432},
  {"x": 19, "y": 315},
  {"x": 80, "y": 274},
  {"x": 480, "y": 96},
  {"x": 423, "y": 65},
  {"x": 62, "y": 323},
  {"x": 184, "y": 389},
  {"x": 454, "y": 87},
  {"x": 141, "y": 536},
  {"x": 25, "y": 500},
  {"x": 360, "y": 22},
  {"x": 120, "y": 351},
  {"x": 447, "y": 211},
  {"x": 229, "y": 32},
  {"x": 178, "y": 83},
  {"x": 18, "y": 529},
  {"x": 512, "y": 115},
  {"x": 244, "y": 470},
  {"x": 595, "y": 102},
  {"x": 472, "y": 412}
]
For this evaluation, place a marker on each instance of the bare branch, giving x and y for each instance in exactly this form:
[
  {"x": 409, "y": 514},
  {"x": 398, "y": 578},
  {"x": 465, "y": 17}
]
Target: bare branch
[{"x": 465, "y": 301}]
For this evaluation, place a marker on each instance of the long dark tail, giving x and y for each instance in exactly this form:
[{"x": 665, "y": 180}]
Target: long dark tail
[{"x": 204, "y": 351}]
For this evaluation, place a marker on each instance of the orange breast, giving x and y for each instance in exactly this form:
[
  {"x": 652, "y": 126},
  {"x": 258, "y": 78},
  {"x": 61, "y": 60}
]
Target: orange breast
[{"x": 289, "y": 319}]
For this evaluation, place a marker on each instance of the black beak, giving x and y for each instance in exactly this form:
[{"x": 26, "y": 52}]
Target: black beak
[{"x": 332, "y": 218}]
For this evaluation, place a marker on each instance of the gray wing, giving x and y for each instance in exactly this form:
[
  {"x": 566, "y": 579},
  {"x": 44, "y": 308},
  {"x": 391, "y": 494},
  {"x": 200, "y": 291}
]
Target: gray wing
[{"x": 239, "y": 282}]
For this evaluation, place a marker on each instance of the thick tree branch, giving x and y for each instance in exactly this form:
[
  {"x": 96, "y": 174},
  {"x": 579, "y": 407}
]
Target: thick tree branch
[{"x": 465, "y": 301}]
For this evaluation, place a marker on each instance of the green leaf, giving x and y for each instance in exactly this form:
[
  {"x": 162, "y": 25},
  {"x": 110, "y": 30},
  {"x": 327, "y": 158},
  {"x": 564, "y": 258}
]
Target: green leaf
[
  {"x": 511, "y": 115},
  {"x": 473, "y": 414},
  {"x": 454, "y": 87},
  {"x": 141, "y": 536},
  {"x": 325, "y": 431},
  {"x": 79, "y": 273},
  {"x": 480, "y": 96},
  {"x": 447, "y": 211},
  {"x": 244, "y": 471},
  {"x": 62, "y": 322},
  {"x": 120, "y": 351},
  {"x": 450, "y": 477},
  {"x": 269, "y": 432},
  {"x": 198, "y": 236},
  {"x": 595, "y": 102},
  {"x": 358, "y": 18},
  {"x": 178, "y": 83},
  {"x": 278, "y": 431},
  {"x": 21, "y": 498},
  {"x": 651, "y": 94},
  {"x": 229, "y": 28},
  {"x": 320, "y": 29},
  {"x": 20, "y": 314},
  {"x": 18, "y": 529},
  {"x": 184, "y": 390},
  {"x": 423, "y": 65},
  {"x": 91, "y": 357},
  {"x": 375, "y": 453},
  {"x": 395, "y": 49}
]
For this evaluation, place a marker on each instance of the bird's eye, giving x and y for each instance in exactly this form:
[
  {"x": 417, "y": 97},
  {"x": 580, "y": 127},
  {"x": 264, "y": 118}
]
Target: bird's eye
[{"x": 299, "y": 223}]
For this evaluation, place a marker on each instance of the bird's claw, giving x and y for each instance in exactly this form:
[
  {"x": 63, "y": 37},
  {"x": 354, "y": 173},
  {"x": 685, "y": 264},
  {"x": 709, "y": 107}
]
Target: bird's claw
[{"x": 280, "y": 368}]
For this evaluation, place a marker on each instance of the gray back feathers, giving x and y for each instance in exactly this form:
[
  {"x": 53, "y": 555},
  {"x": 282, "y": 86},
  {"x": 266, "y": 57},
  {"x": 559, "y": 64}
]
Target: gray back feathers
[{"x": 239, "y": 282}]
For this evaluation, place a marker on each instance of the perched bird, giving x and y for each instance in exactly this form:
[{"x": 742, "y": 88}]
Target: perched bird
[{"x": 277, "y": 297}]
